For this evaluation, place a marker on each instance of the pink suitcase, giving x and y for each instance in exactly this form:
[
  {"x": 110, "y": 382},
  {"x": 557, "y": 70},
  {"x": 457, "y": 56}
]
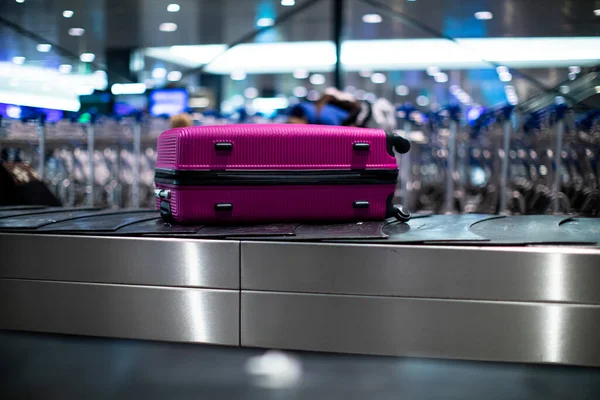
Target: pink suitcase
[{"x": 277, "y": 173}]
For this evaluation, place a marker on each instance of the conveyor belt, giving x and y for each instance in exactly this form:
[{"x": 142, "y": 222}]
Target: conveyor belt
[
  {"x": 432, "y": 229},
  {"x": 476, "y": 287}
]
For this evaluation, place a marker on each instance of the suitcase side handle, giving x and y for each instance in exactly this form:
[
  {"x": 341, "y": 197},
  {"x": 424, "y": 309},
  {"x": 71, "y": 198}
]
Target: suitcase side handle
[{"x": 396, "y": 142}]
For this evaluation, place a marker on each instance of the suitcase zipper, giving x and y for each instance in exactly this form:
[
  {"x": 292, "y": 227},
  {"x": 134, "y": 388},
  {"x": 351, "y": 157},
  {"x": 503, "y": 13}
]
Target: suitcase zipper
[{"x": 241, "y": 178}]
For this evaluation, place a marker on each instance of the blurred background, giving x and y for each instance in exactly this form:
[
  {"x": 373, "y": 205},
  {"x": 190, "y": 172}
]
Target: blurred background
[{"x": 500, "y": 98}]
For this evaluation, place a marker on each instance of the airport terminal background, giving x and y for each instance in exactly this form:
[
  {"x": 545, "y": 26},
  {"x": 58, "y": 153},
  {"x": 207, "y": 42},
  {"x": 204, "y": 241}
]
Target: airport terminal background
[{"x": 500, "y": 100}]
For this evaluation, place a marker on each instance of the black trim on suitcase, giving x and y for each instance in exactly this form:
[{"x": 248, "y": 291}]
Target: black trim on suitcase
[
  {"x": 253, "y": 178},
  {"x": 395, "y": 142}
]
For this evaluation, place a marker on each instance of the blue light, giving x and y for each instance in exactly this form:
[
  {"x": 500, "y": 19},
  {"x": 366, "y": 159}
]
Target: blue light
[{"x": 168, "y": 102}]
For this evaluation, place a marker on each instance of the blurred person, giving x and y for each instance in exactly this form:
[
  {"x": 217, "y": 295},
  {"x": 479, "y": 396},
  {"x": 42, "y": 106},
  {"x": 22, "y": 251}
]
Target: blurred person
[
  {"x": 20, "y": 184},
  {"x": 180, "y": 120},
  {"x": 333, "y": 108}
]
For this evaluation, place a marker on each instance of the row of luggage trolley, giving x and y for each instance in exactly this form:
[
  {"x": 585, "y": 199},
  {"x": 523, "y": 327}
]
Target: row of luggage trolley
[
  {"x": 108, "y": 163},
  {"x": 455, "y": 165},
  {"x": 504, "y": 162}
]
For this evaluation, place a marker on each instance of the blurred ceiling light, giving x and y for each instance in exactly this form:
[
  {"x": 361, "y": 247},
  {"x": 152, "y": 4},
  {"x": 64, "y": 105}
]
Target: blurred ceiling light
[
  {"x": 317, "y": 79},
  {"x": 402, "y": 90},
  {"x": 65, "y": 68},
  {"x": 18, "y": 60},
  {"x": 502, "y": 69},
  {"x": 378, "y": 78},
  {"x": 188, "y": 56},
  {"x": 87, "y": 57},
  {"x": 84, "y": 90},
  {"x": 238, "y": 75},
  {"x": 505, "y": 77},
  {"x": 128, "y": 88},
  {"x": 575, "y": 69},
  {"x": 572, "y": 76},
  {"x": 251, "y": 93},
  {"x": 100, "y": 80},
  {"x": 365, "y": 73},
  {"x": 20, "y": 1},
  {"x": 43, "y": 48},
  {"x": 174, "y": 76},
  {"x": 484, "y": 15},
  {"x": 422, "y": 101},
  {"x": 597, "y": 88},
  {"x": 371, "y": 18},
  {"x": 167, "y": 27},
  {"x": 13, "y": 112},
  {"x": 68, "y": 13},
  {"x": 301, "y": 73},
  {"x": 267, "y": 105},
  {"x": 288, "y": 3},
  {"x": 441, "y": 77},
  {"x": 174, "y": 7},
  {"x": 76, "y": 31},
  {"x": 159, "y": 73},
  {"x": 433, "y": 71},
  {"x": 300, "y": 91},
  {"x": 13, "y": 82},
  {"x": 597, "y": 12},
  {"x": 53, "y": 102},
  {"x": 199, "y": 102},
  {"x": 388, "y": 54},
  {"x": 264, "y": 22}
]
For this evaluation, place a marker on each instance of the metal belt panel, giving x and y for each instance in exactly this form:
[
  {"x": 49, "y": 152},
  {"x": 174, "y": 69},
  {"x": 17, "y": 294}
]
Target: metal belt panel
[
  {"x": 456, "y": 329},
  {"x": 511, "y": 273},
  {"x": 140, "y": 312},
  {"x": 135, "y": 261}
]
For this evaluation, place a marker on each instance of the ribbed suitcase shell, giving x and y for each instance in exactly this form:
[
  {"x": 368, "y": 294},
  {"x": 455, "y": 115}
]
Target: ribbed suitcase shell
[{"x": 275, "y": 148}]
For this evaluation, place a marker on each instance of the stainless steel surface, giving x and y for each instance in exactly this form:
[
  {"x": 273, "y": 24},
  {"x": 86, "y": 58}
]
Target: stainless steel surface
[
  {"x": 554, "y": 274},
  {"x": 533, "y": 305},
  {"x": 141, "y": 312},
  {"x": 474, "y": 330},
  {"x": 163, "y": 262}
]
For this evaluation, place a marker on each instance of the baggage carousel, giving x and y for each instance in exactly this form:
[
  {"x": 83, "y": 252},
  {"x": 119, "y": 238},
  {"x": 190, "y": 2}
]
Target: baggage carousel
[{"x": 471, "y": 287}]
